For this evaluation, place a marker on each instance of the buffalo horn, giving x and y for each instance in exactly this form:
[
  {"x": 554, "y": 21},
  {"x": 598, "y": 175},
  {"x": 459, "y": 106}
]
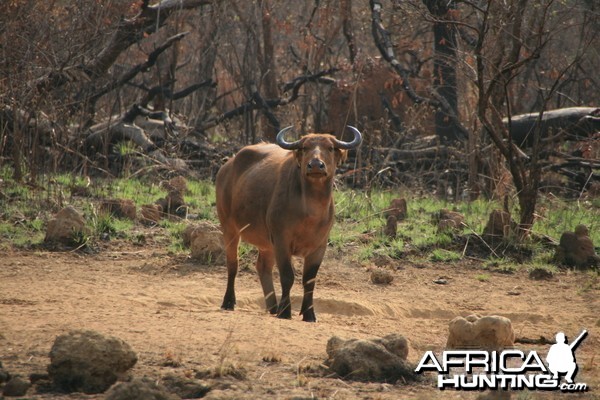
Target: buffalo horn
[
  {"x": 350, "y": 145},
  {"x": 286, "y": 145}
]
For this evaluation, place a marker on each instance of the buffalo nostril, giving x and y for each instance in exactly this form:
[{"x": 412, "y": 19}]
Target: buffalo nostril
[{"x": 316, "y": 165}]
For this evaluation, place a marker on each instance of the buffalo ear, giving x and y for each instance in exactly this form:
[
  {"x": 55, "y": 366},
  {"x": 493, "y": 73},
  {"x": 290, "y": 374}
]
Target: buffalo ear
[{"x": 341, "y": 155}]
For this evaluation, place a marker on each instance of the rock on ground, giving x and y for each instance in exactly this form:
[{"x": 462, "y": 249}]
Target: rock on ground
[
  {"x": 151, "y": 213},
  {"x": 173, "y": 204},
  {"x": 576, "y": 249},
  {"x": 4, "y": 375},
  {"x": 16, "y": 387},
  {"x": 65, "y": 226},
  {"x": 88, "y": 361},
  {"x": 380, "y": 360},
  {"x": 476, "y": 332},
  {"x": 391, "y": 227},
  {"x": 397, "y": 208},
  {"x": 381, "y": 276},
  {"x": 205, "y": 241},
  {"x": 449, "y": 221},
  {"x": 184, "y": 387},
  {"x": 120, "y": 208},
  {"x": 499, "y": 225},
  {"x": 140, "y": 389}
]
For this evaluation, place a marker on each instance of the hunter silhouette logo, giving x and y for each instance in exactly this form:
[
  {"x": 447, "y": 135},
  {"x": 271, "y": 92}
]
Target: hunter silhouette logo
[
  {"x": 508, "y": 369},
  {"x": 561, "y": 356}
]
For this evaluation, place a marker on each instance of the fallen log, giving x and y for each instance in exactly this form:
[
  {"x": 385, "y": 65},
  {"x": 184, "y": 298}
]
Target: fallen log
[
  {"x": 113, "y": 131},
  {"x": 573, "y": 123}
]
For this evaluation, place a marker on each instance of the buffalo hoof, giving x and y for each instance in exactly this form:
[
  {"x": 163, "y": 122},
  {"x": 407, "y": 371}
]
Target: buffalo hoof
[
  {"x": 285, "y": 313},
  {"x": 309, "y": 316},
  {"x": 272, "y": 311},
  {"x": 228, "y": 305}
]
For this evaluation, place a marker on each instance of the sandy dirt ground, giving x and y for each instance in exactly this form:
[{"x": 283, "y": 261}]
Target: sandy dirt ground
[{"x": 167, "y": 308}]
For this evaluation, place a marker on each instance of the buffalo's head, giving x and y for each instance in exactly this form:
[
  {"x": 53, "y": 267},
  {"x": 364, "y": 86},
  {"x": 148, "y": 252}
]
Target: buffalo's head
[{"x": 318, "y": 154}]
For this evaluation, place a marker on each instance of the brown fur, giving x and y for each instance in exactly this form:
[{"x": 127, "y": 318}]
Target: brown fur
[{"x": 266, "y": 197}]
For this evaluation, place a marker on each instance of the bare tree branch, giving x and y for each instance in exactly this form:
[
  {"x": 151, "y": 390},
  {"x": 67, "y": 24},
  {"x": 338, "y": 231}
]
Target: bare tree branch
[
  {"x": 257, "y": 102},
  {"x": 386, "y": 48},
  {"x": 133, "y": 72},
  {"x": 130, "y": 31}
]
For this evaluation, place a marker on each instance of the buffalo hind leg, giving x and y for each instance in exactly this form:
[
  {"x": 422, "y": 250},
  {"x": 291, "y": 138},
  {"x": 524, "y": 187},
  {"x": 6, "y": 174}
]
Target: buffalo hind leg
[
  {"x": 264, "y": 267},
  {"x": 231, "y": 249},
  {"x": 309, "y": 276},
  {"x": 286, "y": 276}
]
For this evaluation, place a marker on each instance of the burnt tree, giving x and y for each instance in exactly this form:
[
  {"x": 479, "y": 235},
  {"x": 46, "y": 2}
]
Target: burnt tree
[{"x": 444, "y": 68}]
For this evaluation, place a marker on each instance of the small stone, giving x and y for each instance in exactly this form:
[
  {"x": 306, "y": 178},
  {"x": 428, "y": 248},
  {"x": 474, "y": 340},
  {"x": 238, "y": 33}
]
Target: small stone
[
  {"x": 381, "y": 276},
  {"x": 139, "y": 389},
  {"x": 538, "y": 274},
  {"x": 184, "y": 387},
  {"x": 16, "y": 387}
]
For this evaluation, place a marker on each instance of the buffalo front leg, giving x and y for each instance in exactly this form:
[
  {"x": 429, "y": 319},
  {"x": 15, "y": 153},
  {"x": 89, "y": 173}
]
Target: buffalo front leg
[
  {"x": 286, "y": 275},
  {"x": 231, "y": 249},
  {"x": 264, "y": 267},
  {"x": 309, "y": 277}
]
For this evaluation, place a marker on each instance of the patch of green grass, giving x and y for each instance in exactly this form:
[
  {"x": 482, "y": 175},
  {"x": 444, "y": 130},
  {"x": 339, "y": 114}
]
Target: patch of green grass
[
  {"x": 20, "y": 235},
  {"x": 537, "y": 264},
  {"x": 361, "y": 214},
  {"x": 501, "y": 265},
  {"x": 201, "y": 198},
  {"x": 103, "y": 225},
  {"x": 423, "y": 234},
  {"x": 482, "y": 277},
  {"x": 477, "y": 213},
  {"x": 174, "y": 230},
  {"x": 127, "y": 148},
  {"x": 556, "y": 216},
  {"x": 443, "y": 255},
  {"x": 141, "y": 191},
  {"x": 69, "y": 180},
  {"x": 380, "y": 247}
]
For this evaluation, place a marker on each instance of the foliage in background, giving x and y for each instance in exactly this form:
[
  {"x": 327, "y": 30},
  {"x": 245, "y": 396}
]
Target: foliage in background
[{"x": 358, "y": 229}]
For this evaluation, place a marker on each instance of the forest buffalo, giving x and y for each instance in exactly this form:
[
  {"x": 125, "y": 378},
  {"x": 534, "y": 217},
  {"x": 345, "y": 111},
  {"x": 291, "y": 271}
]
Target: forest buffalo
[{"x": 278, "y": 197}]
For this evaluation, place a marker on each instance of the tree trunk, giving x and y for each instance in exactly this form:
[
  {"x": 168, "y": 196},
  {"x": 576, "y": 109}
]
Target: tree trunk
[
  {"x": 268, "y": 69},
  {"x": 444, "y": 68},
  {"x": 208, "y": 46},
  {"x": 346, "y": 9},
  {"x": 17, "y": 148}
]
